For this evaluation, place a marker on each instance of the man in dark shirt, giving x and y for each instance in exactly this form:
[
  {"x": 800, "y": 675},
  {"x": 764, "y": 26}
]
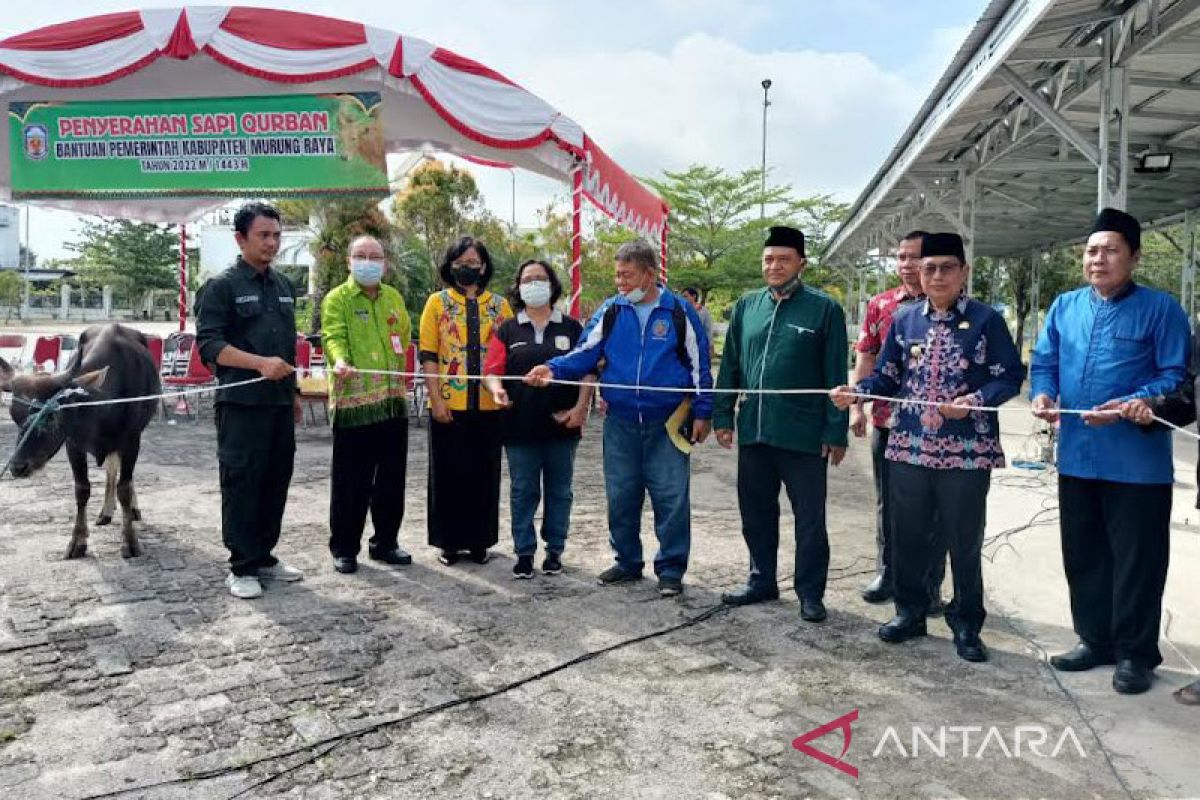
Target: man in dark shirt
[{"x": 247, "y": 328}]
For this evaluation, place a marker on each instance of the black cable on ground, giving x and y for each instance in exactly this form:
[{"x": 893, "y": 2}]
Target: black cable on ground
[
  {"x": 328, "y": 744},
  {"x": 1043, "y": 657},
  {"x": 1044, "y": 660}
]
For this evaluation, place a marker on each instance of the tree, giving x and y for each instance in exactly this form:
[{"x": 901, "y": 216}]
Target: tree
[
  {"x": 717, "y": 232},
  {"x": 714, "y": 221},
  {"x": 1058, "y": 271},
  {"x": 334, "y": 224},
  {"x": 435, "y": 207},
  {"x": 133, "y": 257},
  {"x": 11, "y": 287}
]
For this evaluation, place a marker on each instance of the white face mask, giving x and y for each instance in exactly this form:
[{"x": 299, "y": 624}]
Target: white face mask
[
  {"x": 636, "y": 296},
  {"x": 366, "y": 272},
  {"x": 535, "y": 293}
]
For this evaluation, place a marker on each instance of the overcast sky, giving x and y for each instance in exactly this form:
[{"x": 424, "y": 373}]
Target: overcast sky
[{"x": 664, "y": 83}]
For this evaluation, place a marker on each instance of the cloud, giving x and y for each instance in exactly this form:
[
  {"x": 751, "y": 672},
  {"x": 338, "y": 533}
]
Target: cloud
[
  {"x": 664, "y": 83},
  {"x": 702, "y": 102}
]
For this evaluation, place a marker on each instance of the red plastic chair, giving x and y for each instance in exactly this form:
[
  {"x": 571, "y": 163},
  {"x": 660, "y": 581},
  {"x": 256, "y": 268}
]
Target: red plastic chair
[
  {"x": 306, "y": 362},
  {"x": 303, "y": 354},
  {"x": 155, "y": 345},
  {"x": 177, "y": 349},
  {"x": 12, "y": 348},
  {"x": 195, "y": 374},
  {"x": 46, "y": 350}
]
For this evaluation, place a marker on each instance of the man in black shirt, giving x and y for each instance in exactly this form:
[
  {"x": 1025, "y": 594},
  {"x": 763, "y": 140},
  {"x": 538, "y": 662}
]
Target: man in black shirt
[{"x": 247, "y": 327}]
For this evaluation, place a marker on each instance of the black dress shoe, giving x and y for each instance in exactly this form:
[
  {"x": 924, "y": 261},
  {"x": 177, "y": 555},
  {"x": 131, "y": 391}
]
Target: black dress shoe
[
  {"x": 345, "y": 564},
  {"x": 1131, "y": 677},
  {"x": 812, "y": 611},
  {"x": 1081, "y": 657},
  {"x": 901, "y": 628},
  {"x": 969, "y": 646},
  {"x": 396, "y": 557},
  {"x": 878, "y": 590},
  {"x": 748, "y": 596}
]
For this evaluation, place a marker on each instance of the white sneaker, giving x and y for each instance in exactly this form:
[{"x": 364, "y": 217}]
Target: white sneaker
[
  {"x": 281, "y": 572},
  {"x": 244, "y": 586}
]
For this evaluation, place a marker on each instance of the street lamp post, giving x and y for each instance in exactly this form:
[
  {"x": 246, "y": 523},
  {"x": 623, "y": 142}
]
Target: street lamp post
[
  {"x": 25, "y": 297},
  {"x": 762, "y": 207}
]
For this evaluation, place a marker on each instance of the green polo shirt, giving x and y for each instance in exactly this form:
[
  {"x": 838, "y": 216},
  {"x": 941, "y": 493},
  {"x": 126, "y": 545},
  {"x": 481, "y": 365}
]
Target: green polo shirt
[{"x": 798, "y": 342}]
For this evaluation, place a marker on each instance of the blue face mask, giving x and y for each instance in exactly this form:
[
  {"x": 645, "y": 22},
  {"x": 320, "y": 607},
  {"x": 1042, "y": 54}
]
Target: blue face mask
[{"x": 366, "y": 272}]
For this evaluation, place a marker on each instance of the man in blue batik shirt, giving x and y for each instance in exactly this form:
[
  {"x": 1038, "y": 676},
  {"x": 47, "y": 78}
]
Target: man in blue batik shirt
[
  {"x": 953, "y": 355},
  {"x": 1106, "y": 347}
]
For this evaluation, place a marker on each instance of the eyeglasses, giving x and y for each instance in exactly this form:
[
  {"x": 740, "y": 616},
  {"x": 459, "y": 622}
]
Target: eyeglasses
[{"x": 945, "y": 269}]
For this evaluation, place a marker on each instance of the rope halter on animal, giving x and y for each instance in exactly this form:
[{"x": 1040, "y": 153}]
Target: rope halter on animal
[{"x": 45, "y": 416}]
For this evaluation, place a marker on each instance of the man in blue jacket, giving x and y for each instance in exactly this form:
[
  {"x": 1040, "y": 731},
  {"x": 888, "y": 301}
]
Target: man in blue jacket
[
  {"x": 1106, "y": 347},
  {"x": 647, "y": 338}
]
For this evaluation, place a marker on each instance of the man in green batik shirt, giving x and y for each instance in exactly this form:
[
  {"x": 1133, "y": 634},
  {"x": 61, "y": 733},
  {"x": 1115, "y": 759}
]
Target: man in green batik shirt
[
  {"x": 784, "y": 336},
  {"x": 365, "y": 327}
]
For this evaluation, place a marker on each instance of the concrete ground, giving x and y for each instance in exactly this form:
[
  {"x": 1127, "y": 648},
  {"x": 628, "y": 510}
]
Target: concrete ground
[{"x": 145, "y": 679}]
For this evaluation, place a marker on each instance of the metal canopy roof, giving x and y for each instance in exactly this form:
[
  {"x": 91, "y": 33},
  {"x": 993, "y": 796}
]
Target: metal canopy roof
[{"x": 1009, "y": 148}]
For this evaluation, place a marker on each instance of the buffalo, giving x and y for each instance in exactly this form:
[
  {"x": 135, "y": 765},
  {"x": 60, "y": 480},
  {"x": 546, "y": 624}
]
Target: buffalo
[{"x": 111, "y": 362}]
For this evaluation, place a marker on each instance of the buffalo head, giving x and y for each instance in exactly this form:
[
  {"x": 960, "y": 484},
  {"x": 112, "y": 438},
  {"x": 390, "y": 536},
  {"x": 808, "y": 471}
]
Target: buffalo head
[{"x": 40, "y": 407}]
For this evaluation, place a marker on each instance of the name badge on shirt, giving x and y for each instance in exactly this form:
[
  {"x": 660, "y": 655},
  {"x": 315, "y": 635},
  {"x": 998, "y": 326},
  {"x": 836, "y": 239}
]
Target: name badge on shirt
[
  {"x": 562, "y": 343},
  {"x": 397, "y": 345}
]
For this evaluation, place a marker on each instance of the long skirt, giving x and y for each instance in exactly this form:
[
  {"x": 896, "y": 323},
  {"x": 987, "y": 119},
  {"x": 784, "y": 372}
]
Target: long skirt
[{"x": 464, "y": 481}]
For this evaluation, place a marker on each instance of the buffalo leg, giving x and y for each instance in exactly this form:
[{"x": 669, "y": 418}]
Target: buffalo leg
[
  {"x": 77, "y": 547},
  {"x": 112, "y": 468},
  {"x": 130, "y": 548}
]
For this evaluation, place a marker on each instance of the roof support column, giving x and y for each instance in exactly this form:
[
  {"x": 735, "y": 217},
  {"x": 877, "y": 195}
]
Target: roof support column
[
  {"x": 966, "y": 219},
  {"x": 1187, "y": 292},
  {"x": 1035, "y": 289},
  {"x": 1113, "y": 179}
]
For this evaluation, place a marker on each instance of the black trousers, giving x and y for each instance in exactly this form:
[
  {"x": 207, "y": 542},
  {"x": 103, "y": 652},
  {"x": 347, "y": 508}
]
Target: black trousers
[
  {"x": 883, "y": 524},
  {"x": 957, "y": 499},
  {"x": 761, "y": 470},
  {"x": 464, "y": 481},
  {"x": 1116, "y": 542},
  {"x": 256, "y": 449},
  {"x": 369, "y": 466}
]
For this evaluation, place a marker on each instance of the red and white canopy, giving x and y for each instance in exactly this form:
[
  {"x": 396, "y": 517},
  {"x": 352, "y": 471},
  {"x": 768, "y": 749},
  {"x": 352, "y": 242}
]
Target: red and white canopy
[{"x": 433, "y": 98}]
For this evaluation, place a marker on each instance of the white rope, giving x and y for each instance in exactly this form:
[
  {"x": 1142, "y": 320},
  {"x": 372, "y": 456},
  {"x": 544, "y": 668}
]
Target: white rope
[
  {"x": 630, "y": 387},
  {"x": 112, "y": 401}
]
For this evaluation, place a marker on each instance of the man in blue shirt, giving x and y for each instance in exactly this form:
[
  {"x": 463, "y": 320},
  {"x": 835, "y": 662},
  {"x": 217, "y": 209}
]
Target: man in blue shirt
[
  {"x": 1105, "y": 347},
  {"x": 647, "y": 337},
  {"x": 951, "y": 355}
]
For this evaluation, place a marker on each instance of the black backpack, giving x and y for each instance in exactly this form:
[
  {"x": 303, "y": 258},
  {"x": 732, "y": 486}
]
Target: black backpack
[{"x": 678, "y": 319}]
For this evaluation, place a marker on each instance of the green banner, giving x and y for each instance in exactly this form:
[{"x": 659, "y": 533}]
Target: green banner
[{"x": 221, "y": 147}]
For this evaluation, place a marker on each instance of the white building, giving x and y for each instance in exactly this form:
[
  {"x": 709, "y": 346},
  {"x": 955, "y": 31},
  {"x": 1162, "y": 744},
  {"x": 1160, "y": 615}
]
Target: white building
[
  {"x": 219, "y": 250},
  {"x": 10, "y": 236}
]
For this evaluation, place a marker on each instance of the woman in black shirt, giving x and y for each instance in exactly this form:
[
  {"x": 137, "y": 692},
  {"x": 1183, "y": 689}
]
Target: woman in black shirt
[{"x": 541, "y": 427}]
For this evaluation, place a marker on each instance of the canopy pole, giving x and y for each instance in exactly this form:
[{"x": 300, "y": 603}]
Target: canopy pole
[
  {"x": 666, "y": 230},
  {"x": 183, "y": 265},
  {"x": 576, "y": 239}
]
